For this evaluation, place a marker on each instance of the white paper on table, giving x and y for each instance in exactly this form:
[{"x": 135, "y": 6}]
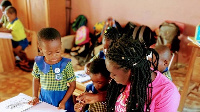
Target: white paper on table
[
  {"x": 5, "y": 35},
  {"x": 90, "y": 82},
  {"x": 44, "y": 107},
  {"x": 81, "y": 76},
  {"x": 18, "y": 103}
]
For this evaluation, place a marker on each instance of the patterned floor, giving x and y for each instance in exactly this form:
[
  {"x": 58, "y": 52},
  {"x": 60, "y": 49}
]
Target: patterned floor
[
  {"x": 192, "y": 103},
  {"x": 17, "y": 81}
]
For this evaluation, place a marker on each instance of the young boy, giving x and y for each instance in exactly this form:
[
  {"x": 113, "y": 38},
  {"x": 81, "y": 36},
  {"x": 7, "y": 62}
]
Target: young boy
[
  {"x": 100, "y": 78},
  {"x": 3, "y": 20},
  {"x": 53, "y": 72},
  {"x": 19, "y": 40},
  {"x": 164, "y": 59}
]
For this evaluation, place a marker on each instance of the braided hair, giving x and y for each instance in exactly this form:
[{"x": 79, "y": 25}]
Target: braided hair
[
  {"x": 130, "y": 55},
  {"x": 147, "y": 38},
  {"x": 112, "y": 34},
  {"x": 145, "y": 35}
]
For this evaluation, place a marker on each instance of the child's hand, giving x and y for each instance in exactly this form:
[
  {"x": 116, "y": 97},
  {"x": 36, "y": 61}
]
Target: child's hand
[
  {"x": 86, "y": 98},
  {"x": 78, "y": 107},
  {"x": 34, "y": 101},
  {"x": 61, "y": 106},
  {"x": 86, "y": 68}
]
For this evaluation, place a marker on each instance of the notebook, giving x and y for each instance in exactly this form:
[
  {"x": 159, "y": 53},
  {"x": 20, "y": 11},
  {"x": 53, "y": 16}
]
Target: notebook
[
  {"x": 81, "y": 76},
  {"x": 5, "y": 35},
  {"x": 197, "y": 33},
  {"x": 19, "y": 103}
]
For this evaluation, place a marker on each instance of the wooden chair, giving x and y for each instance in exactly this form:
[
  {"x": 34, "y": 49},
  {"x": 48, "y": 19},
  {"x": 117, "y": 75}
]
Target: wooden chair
[
  {"x": 32, "y": 49},
  {"x": 191, "y": 75}
]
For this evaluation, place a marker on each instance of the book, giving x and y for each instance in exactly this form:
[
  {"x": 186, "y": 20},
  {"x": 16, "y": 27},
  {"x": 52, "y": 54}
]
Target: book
[
  {"x": 81, "y": 76},
  {"x": 19, "y": 103},
  {"x": 193, "y": 40},
  {"x": 44, "y": 107},
  {"x": 5, "y": 35},
  {"x": 90, "y": 82}
]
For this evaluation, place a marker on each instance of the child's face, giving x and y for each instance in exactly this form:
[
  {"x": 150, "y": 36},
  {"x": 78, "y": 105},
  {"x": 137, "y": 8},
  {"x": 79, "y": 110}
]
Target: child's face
[
  {"x": 10, "y": 16},
  {"x": 51, "y": 49},
  {"x": 2, "y": 8},
  {"x": 106, "y": 43},
  {"x": 120, "y": 75},
  {"x": 162, "y": 64},
  {"x": 100, "y": 82}
]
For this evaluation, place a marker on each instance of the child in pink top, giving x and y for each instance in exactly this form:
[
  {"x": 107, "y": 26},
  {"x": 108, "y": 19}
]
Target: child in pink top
[
  {"x": 120, "y": 105},
  {"x": 135, "y": 87}
]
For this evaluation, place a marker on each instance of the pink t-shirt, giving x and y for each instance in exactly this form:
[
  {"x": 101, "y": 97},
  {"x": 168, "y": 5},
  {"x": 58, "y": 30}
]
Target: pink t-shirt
[
  {"x": 165, "y": 96},
  {"x": 120, "y": 105}
]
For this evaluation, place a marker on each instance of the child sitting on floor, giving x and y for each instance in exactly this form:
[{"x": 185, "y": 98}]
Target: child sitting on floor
[
  {"x": 111, "y": 35},
  {"x": 100, "y": 78},
  {"x": 53, "y": 72},
  {"x": 164, "y": 59}
]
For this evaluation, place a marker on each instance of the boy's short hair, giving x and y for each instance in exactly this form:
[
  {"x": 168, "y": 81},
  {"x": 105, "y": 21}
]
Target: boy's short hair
[
  {"x": 5, "y": 3},
  {"x": 48, "y": 34},
  {"x": 163, "y": 51},
  {"x": 11, "y": 10},
  {"x": 98, "y": 66}
]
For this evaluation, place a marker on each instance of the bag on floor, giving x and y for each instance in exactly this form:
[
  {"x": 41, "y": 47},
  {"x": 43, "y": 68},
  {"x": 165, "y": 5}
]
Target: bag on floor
[
  {"x": 81, "y": 20},
  {"x": 168, "y": 35},
  {"x": 82, "y": 36},
  {"x": 110, "y": 22}
]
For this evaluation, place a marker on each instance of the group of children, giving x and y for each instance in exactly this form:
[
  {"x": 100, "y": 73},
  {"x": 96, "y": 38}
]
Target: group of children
[
  {"x": 123, "y": 79},
  {"x": 127, "y": 75},
  {"x": 9, "y": 23}
]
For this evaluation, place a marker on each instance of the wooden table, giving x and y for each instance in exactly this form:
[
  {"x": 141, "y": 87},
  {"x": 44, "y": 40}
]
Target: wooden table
[
  {"x": 80, "y": 88},
  {"x": 195, "y": 47},
  {"x": 7, "y": 61}
]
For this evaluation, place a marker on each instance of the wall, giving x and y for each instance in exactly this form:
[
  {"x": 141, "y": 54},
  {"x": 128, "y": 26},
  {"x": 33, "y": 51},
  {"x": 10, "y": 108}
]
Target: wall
[
  {"x": 0, "y": 11},
  {"x": 21, "y": 11},
  {"x": 145, "y": 12}
]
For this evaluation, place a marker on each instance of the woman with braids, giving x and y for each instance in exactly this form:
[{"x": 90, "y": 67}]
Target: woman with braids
[
  {"x": 111, "y": 35},
  {"x": 134, "y": 86}
]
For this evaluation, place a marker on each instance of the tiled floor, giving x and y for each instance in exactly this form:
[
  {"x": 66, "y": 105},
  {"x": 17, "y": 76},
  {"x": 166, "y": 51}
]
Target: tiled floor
[{"x": 17, "y": 81}]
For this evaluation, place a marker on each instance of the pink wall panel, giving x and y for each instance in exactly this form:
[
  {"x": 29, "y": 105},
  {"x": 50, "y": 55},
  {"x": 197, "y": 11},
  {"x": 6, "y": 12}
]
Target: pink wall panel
[{"x": 145, "y": 12}]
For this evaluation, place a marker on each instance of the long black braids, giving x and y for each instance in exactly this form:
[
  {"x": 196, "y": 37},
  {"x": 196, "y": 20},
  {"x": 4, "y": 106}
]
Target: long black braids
[
  {"x": 130, "y": 55},
  {"x": 147, "y": 38}
]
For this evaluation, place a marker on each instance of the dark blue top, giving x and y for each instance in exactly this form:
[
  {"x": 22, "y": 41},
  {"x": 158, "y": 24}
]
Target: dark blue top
[
  {"x": 102, "y": 55},
  {"x": 90, "y": 87}
]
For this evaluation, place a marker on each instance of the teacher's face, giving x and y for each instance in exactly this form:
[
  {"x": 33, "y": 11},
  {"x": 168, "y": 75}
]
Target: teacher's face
[{"x": 120, "y": 75}]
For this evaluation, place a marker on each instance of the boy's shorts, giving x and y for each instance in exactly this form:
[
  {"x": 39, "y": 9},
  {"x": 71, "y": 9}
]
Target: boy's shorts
[{"x": 22, "y": 43}]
